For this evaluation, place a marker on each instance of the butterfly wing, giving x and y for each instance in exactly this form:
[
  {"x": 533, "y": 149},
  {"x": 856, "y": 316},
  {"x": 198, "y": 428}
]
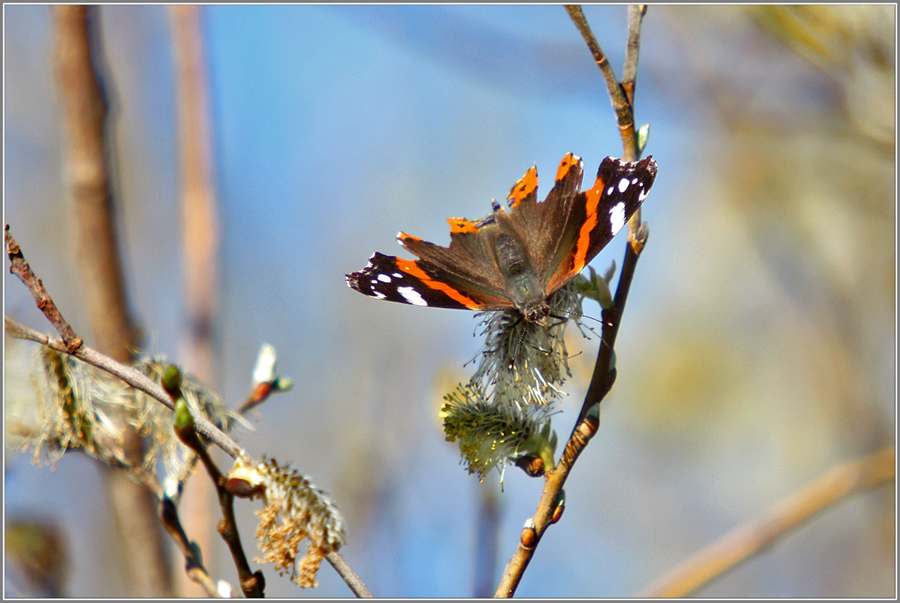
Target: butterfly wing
[{"x": 595, "y": 216}]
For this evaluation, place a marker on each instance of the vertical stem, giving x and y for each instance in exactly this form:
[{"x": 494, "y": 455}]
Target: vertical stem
[
  {"x": 200, "y": 223},
  {"x": 83, "y": 109},
  {"x": 487, "y": 533},
  {"x": 200, "y": 243}
]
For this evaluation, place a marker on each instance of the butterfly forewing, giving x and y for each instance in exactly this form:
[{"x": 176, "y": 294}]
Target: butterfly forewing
[{"x": 598, "y": 214}]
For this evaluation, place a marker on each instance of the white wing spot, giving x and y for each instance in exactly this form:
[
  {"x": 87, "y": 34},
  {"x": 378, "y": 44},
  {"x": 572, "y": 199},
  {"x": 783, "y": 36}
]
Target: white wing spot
[
  {"x": 384, "y": 278},
  {"x": 617, "y": 217},
  {"x": 610, "y": 190},
  {"x": 412, "y": 296},
  {"x": 643, "y": 194},
  {"x": 623, "y": 185},
  {"x": 397, "y": 275},
  {"x": 634, "y": 181},
  {"x": 378, "y": 295}
]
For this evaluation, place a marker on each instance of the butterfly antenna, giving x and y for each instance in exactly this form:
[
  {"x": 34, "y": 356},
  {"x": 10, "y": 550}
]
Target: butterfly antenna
[{"x": 576, "y": 314}]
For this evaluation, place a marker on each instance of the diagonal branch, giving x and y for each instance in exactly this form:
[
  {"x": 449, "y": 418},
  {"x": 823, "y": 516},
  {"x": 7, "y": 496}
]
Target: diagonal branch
[
  {"x": 127, "y": 374},
  {"x": 751, "y": 539},
  {"x": 585, "y": 428},
  {"x": 130, "y": 375},
  {"x": 620, "y": 102},
  {"x": 19, "y": 266},
  {"x": 551, "y": 505}
]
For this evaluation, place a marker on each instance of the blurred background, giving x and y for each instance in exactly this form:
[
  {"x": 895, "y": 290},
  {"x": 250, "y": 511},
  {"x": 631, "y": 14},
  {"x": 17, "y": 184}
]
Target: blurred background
[{"x": 758, "y": 349}]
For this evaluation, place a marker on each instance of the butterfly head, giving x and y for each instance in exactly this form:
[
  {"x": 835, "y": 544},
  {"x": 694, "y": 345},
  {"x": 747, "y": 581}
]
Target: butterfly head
[{"x": 537, "y": 311}]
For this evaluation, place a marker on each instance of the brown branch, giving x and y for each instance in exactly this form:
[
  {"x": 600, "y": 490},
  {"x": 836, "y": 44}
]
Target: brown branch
[
  {"x": 193, "y": 564},
  {"x": 127, "y": 374},
  {"x": 350, "y": 577},
  {"x": 252, "y": 583},
  {"x": 141, "y": 382},
  {"x": 19, "y": 266},
  {"x": 604, "y": 373},
  {"x": 636, "y": 14},
  {"x": 751, "y": 539},
  {"x": 83, "y": 111},
  {"x": 621, "y": 104},
  {"x": 199, "y": 236},
  {"x": 585, "y": 428}
]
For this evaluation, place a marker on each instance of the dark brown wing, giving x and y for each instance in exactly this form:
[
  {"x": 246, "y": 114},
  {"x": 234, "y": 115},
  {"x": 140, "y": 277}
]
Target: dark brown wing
[{"x": 596, "y": 215}]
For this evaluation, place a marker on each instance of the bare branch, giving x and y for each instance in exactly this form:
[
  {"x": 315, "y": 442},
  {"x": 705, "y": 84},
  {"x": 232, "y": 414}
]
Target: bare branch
[
  {"x": 193, "y": 564},
  {"x": 350, "y": 577},
  {"x": 636, "y": 14},
  {"x": 620, "y": 102},
  {"x": 19, "y": 266},
  {"x": 127, "y": 374},
  {"x": 749, "y": 540},
  {"x": 604, "y": 374}
]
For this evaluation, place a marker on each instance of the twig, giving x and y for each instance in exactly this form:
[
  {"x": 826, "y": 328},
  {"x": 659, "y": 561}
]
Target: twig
[
  {"x": 130, "y": 375},
  {"x": 620, "y": 102},
  {"x": 193, "y": 564},
  {"x": 585, "y": 428},
  {"x": 127, "y": 374},
  {"x": 604, "y": 374},
  {"x": 19, "y": 266},
  {"x": 636, "y": 14},
  {"x": 252, "y": 583},
  {"x": 199, "y": 235},
  {"x": 139, "y": 381},
  {"x": 350, "y": 577},
  {"x": 749, "y": 540}
]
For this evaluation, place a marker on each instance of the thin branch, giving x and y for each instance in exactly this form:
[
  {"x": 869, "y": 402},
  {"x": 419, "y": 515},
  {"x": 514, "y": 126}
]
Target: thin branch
[
  {"x": 549, "y": 506},
  {"x": 252, "y": 583},
  {"x": 620, "y": 102},
  {"x": 350, "y": 577},
  {"x": 19, "y": 266},
  {"x": 751, "y": 539},
  {"x": 130, "y": 375},
  {"x": 199, "y": 236},
  {"x": 603, "y": 376},
  {"x": 636, "y": 14},
  {"x": 585, "y": 428},
  {"x": 127, "y": 374},
  {"x": 193, "y": 564}
]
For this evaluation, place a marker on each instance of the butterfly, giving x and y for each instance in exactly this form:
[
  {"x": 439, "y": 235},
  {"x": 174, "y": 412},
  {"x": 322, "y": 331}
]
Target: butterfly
[{"x": 515, "y": 259}]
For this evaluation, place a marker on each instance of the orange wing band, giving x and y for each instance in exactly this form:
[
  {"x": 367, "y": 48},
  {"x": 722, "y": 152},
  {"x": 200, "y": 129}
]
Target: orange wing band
[
  {"x": 410, "y": 267},
  {"x": 592, "y": 200}
]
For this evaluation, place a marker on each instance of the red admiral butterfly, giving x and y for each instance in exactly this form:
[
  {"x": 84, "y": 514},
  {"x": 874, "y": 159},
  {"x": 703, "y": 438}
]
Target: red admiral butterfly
[{"x": 515, "y": 259}]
